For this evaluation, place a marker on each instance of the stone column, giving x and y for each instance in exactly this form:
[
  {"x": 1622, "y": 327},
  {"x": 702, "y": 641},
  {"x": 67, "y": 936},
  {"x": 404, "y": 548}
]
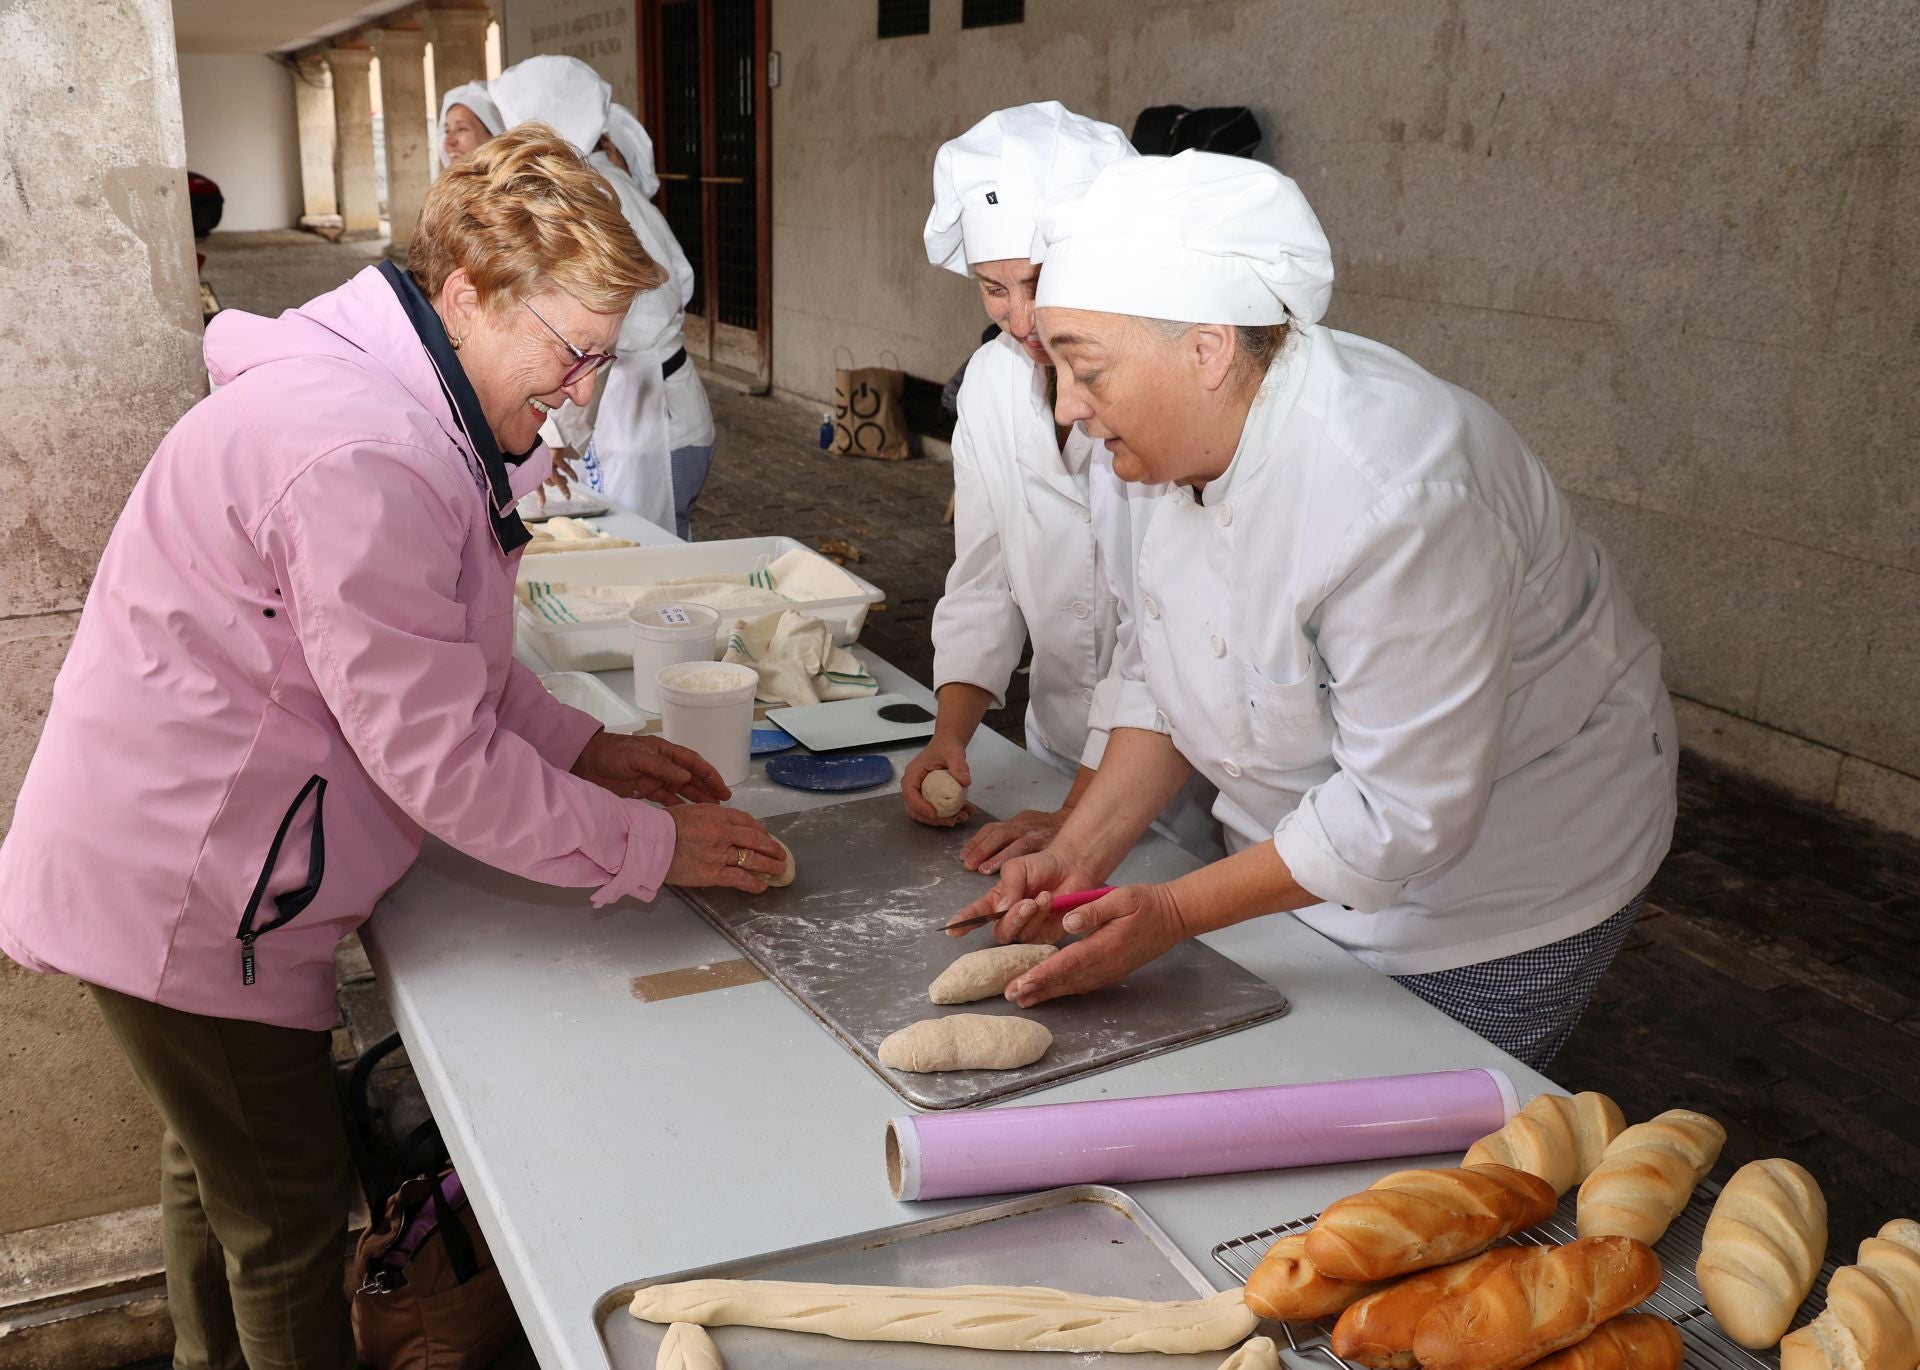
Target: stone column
[
  {"x": 403, "y": 97},
  {"x": 313, "y": 112},
  {"x": 459, "y": 38},
  {"x": 356, "y": 195}
]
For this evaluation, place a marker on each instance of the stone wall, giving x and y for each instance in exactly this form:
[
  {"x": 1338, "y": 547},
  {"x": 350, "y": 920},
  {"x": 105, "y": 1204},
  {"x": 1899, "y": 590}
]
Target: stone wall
[
  {"x": 1678, "y": 245},
  {"x": 600, "y": 33},
  {"x": 99, "y": 354}
]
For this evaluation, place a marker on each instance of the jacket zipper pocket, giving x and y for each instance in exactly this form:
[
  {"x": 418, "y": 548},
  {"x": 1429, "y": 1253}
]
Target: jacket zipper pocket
[{"x": 287, "y": 906}]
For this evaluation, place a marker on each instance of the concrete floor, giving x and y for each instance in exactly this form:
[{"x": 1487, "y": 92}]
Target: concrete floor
[{"x": 1774, "y": 980}]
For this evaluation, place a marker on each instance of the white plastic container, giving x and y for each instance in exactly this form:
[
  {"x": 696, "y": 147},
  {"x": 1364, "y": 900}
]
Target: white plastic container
[
  {"x": 590, "y": 695},
  {"x": 708, "y": 706},
  {"x": 666, "y": 635},
  {"x": 606, "y": 644}
]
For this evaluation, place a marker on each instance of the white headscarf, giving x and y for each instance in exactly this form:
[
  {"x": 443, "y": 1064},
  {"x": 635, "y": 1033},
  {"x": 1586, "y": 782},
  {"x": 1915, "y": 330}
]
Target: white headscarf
[
  {"x": 629, "y": 135},
  {"x": 988, "y": 182},
  {"x": 474, "y": 96},
  {"x": 563, "y": 92},
  {"x": 1197, "y": 238}
]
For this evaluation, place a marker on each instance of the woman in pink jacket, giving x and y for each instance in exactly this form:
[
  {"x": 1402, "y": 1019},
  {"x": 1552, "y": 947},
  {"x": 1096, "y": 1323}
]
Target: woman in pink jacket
[{"x": 296, "y": 658}]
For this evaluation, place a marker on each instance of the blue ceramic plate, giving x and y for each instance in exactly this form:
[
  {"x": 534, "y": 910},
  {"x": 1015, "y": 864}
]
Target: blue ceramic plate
[
  {"x": 809, "y": 772},
  {"x": 768, "y": 740}
]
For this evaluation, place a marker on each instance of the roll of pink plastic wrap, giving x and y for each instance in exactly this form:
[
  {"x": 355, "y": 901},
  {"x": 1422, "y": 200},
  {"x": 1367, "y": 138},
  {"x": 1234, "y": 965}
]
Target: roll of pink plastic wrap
[{"x": 1167, "y": 1136}]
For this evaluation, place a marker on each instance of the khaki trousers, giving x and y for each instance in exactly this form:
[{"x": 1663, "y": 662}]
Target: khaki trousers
[{"x": 253, "y": 1186}]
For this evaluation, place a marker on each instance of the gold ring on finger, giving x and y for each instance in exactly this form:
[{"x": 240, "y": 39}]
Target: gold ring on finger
[{"x": 741, "y": 860}]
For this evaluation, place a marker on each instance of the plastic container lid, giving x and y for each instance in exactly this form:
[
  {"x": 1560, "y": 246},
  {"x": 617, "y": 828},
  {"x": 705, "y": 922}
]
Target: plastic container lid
[{"x": 674, "y": 622}]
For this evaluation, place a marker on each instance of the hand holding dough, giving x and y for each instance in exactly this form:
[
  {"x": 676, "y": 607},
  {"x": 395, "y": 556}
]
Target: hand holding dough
[
  {"x": 687, "y": 1347},
  {"x": 1258, "y": 1354},
  {"x": 985, "y": 973},
  {"x": 786, "y": 876},
  {"x": 944, "y": 793},
  {"x": 980, "y": 1317},
  {"x": 966, "y": 1041}
]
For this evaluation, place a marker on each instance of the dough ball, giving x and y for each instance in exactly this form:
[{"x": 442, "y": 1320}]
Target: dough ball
[
  {"x": 983, "y": 974},
  {"x": 786, "y": 876},
  {"x": 947, "y": 795},
  {"x": 1258, "y": 1354},
  {"x": 966, "y": 1041}
]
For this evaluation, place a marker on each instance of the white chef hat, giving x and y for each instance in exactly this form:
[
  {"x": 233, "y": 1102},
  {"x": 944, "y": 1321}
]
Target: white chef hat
[
  {"x": 562, "y": 92},
  {"x": 988, "y": 181},
  {"x": 1198, "y": 238},
  {"x": 474, "y": 96},
  {"x": 630, "y": 136}
]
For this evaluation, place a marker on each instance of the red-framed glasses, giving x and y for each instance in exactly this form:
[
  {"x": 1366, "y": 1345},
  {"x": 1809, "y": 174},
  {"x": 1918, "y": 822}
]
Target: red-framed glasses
[{"x": 584, "y": 363}]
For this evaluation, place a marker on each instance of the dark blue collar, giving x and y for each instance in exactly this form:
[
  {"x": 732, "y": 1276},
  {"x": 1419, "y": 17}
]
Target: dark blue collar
[{"x": 508, "y": 531}]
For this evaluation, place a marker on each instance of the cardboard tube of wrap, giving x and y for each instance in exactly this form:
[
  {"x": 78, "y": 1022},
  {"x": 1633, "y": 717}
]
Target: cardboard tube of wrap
[{"x": 1168, "y": 1136}]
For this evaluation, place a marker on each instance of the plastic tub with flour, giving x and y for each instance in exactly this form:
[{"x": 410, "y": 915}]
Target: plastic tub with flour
[
  {"x": 708, "y": 706},
  {"x": 666, "y": 635}
]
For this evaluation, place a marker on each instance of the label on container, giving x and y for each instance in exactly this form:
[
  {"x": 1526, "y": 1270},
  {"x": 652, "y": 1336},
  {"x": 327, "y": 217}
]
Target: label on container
[{"x": 673, "y": 615}]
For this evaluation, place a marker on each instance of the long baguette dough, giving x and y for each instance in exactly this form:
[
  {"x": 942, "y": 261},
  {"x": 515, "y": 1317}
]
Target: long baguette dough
[
  {"x": 1258, "y": 1354},
  {"x": 985, "y": 973},
  {"x": 687, "y": 1347},
  {"x": 966, "y": 1041},
  {"x": 978, "y": 1316}
]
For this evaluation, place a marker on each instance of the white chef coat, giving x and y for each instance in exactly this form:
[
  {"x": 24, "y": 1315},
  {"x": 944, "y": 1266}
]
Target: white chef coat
[
  {"x": 1381, "y": 634},
  {"x": 640, "y": 416}
]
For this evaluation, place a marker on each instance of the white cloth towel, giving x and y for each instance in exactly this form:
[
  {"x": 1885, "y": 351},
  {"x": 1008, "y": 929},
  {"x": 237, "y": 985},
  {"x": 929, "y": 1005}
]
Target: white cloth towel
[{"x": 797, "y": 661}]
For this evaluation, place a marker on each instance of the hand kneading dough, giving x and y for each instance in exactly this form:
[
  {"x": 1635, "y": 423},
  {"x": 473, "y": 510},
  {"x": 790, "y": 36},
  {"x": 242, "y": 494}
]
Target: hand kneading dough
[
  {"x": 980, "y": 1317},
  {"x": 688, "y": 1347},
  {"x": 786, "y": 876},
  {"x": 983, "y": 974},
  {"x": 966, "y": 1041},
  {"x": 942, "y": 791},
  {"x": 1258, "y": 1354}
]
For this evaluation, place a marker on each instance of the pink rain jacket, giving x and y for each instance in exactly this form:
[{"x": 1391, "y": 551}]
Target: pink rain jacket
[{"x": 295, "y": 658}]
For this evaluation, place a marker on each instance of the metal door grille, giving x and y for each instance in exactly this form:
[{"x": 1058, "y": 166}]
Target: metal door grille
[
  {"x": 735, "y": 201},
  {"x": 679, "y": 149},
  {"x": 904, "y": 18}
]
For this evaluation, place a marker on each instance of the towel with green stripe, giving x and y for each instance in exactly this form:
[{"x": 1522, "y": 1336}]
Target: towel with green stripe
[{"x": 796, "y": 659}]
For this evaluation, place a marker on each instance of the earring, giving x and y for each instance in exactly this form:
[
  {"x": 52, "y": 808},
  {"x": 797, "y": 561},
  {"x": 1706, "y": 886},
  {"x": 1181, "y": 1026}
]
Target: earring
[{"x": 456, "y": 341}]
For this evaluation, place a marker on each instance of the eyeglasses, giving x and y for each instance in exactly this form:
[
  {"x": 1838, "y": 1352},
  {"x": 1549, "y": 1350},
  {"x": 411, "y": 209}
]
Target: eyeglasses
[{"x": 584, "y": 363}]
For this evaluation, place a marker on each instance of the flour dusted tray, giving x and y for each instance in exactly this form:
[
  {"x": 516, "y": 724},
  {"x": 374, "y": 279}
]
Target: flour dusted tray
[
  {"x": 1678, "y": 1298},
  {"x": 1090, "y": 1239},
  {"x": 858, "y": 937}
]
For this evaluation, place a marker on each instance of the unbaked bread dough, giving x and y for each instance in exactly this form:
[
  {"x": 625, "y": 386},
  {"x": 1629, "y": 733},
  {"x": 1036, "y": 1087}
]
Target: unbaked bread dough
[
  {"x": 1258, "y": 1354},
  {"x": 785, "y": 877},
  {"x": 985, "y": 973},
  {"x": 966, "y": 1041},
  {"x": 687, "y": 1347},
  {"x": 977, "y": 1316},
  {"x": 944, "y": 793}
]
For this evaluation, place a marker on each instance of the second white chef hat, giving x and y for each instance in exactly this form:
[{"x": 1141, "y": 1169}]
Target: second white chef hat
[
  {"x": 563, "y": 92},
  {"x": 636, "y": 146}
]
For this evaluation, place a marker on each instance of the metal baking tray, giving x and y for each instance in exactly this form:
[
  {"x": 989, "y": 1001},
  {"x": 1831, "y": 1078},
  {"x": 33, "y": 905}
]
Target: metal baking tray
[
  {"x": 859, "y": 937},
  {"x": 1678, "y": 1299},
  {"x": 1088, "y": 1238}
]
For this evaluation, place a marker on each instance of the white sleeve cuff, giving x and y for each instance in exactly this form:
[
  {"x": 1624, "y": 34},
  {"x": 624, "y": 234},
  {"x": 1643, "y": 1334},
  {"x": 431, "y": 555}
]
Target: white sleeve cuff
[
  {"x": 1096, "y": 749},
  {"x": 1121, "y": 703},
  {"x": 1303, "y": 844}
]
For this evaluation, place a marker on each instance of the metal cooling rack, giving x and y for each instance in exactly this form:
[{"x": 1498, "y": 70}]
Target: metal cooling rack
[{"x": 1678, "y": 1299}]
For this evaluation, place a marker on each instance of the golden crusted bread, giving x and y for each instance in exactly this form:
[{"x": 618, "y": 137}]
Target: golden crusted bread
[
  {"x": 1557, "y": 1138},
  {"x": 1287, "y": 1287},
  {"x": 1632, "y": 1341},
  {"x": 1550, "y": 1298},
  {"x": 1648, "y": 1174},
  {"x": 1378, "y": 1330},
  {"x": 1762, "y": 1250},
  {"x": 1414, "y": 1219},
  {"x": 1872, "y": 1317}
]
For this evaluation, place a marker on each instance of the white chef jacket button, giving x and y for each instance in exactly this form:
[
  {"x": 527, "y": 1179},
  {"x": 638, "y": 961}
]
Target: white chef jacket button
[
  {"x": 1226, "y": 515},
  {"x": 1218, "y": 644},
  {"x": 1153, "y": 609},
  {"x": 1230, "y": 768},
  {"x": 1079, "y": 609},
  {"x": 1086, "y": 516},
  {"x": 1087, "y": 695}
]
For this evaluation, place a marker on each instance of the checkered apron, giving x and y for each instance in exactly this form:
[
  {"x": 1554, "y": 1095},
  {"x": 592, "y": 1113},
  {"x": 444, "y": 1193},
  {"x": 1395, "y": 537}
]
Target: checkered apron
[{"x": 1527, "y": 1004}]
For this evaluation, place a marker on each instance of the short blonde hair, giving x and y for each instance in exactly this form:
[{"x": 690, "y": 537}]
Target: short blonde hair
[{"x": 523, "y": 213}]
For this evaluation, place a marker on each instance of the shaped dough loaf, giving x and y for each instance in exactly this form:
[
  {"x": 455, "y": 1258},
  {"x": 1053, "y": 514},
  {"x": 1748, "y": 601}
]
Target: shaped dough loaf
[
  {"x": 1872, "y": 1317},
  {"x": 786, "y": 876},
  {"x": 944, "y": 793},
  {"x": 966, "y": 1041},
  {"x": 1648, "y": 1174},
  {"x": 976, "y": 1316},
  {"x": 1258, "y": 1354},
  {"x": 1762, "y": 1250},
  {"x": 1557, "y": 1138},
  {"x": 985, "y": 973},
  {"x": 687, "y": 1347}
]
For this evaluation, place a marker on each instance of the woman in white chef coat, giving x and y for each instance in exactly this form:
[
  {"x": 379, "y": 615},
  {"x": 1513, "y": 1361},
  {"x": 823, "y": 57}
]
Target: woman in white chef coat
[
  {"x": 1026, "y": 565},
  {"x": 468, "y": 117},
  {"x": 1362, "y": 610},
  {"x": 651, "y": 400}
]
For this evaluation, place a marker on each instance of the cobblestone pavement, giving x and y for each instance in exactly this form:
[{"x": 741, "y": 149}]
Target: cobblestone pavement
[{"x": 1773, "y": 981}]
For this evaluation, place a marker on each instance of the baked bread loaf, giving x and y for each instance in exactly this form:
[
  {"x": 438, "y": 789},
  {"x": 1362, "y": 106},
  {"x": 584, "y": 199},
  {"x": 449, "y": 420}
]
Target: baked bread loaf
[
  {"x": 1872, "y": 1317},
  {"x": 1633, "y": 1341},
  {"x": 1648, "y": 1174},
  {"x": 1762, "y": 1249},
  {"x": 1557, "y": 1138},
  {"x": 1550, "y": 1298},
  {"x": 1378, "y": 1330},
  {"x": 1287, "y": 1287},
  {"x": 1414, "y": 1219}
]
